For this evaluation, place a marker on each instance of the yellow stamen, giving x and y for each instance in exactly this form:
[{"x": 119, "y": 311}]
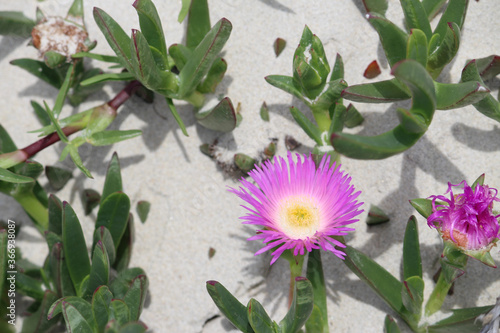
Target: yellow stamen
[{"x": 299, "y": 217}]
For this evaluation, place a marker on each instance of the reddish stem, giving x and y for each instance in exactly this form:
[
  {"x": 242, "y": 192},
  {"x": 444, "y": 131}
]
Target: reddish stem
[{"x": 124, "y": 95}]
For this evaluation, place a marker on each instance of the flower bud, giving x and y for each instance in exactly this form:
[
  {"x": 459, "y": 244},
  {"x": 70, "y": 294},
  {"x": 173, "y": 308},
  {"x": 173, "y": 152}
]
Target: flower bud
[{"x": 310, "y": 66}]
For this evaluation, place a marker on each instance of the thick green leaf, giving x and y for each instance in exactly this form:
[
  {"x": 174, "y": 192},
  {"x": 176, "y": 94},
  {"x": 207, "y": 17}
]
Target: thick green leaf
[
  {"x": 390, "y": 325},
  {"x": 124, "y": 250},
  {"x": 412, "y": 295},
  {"x": 460, "y": 321},
  {"x": 376, "y": 216},
  {"x": 76, "y": 10},
  {"x": 338, "y": 118},
  {"x": 455, "y": 13},
  {"x": 423, "y": 206},
  {"x": 103, "y": 235},
  {"x": 55, "y": 215},
  {"x": 136, "y": 296},
  {"x": 488, "y": 67},
  {"x": 198, "y": 24},
  {"x": 119, "y": 312},
  {"x": 338, "y": 69},
  {"x": 142, "y": 210},
  {"x": 63, "y": 92},
  {"x": 90, "y": 199},
  {"x": 57, "y": 177},
  {"x": 113, "y": 181},
  {"x": 39, "y": 69},
  {"x": 311, "y": 130},
  {"x": 432, "y": 7},
  {"x": 317, "y": 278},
  {"x": 214, "y": 77},
  {"x": 203, "y": 57},
  {"x": 457, "y": 95},
  {"x": 125, "y": 76},
  {"x": 258, "y": 318},
  {"x": 417, "y": 47},
  {"x": 116, "y": 37},
  {"x": 75, "y": 319},
  {"x": 37, "y": 321},
  {"x": 109, "y": 137},
  {"x": 488, "y": 105},
  {"x": 16, "y": 24},
  {"x": 150, "y": 23},
  {"x": 376, "y": 6},
  {"x": 445, "y": 51},
  {"x": 184, "y": 10},
  {"x": 377, "y": 278},
  {"x": 27, "y": 285},
  {"x": 101, "y": 300},
  {"x": 10, "y": 177},
  {"x": 377, "y": 92},
  {"x": 133, "y": 327},
  {"x": 301, "y": 307},
  {"x": 6, "y": 143},
  {"x": 234, "y": 311},
  {"x": 244, "y": 162},
  {"x": 180, "y": 54},
  {"x": 121, "y": 284},
  {"x": 59, "y": 272},
  {"x": 113, "y": 214},
  {"x": 412, "y": 261},
  {"x": 220, "y": 118},
  {"x": 416, "y": 17},
  {"x": 353, "y": 118},
  {"x": 99, "y": 272},
  {"x": 285, "y": 83},
  {"x": 330, "y": 95},
  {"x": 393, "y": 39},
  {"x": 75, "y": 248}
]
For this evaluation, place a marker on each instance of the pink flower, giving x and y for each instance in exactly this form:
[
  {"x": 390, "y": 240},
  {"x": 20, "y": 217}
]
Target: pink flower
[
  {"x": 298, "y": 206},
  {"x": 466, "y": 219}
]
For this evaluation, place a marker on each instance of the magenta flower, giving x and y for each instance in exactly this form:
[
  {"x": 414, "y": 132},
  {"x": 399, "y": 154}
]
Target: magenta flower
[
  {"x": 298, "y": 206},
  {"x": 466, "y": 219}
]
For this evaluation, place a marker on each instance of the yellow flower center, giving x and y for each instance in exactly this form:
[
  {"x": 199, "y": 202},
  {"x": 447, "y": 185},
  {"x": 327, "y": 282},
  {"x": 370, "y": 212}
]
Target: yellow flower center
[{"x": 299, "y": 217}]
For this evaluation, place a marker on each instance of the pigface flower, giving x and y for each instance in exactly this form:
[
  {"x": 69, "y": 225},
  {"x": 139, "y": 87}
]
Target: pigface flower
[
  {"x": 467, "y": 219},
  {"x": 298, "y": 206}
]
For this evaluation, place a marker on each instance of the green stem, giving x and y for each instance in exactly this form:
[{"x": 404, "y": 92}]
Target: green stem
[
  {"x": 295, "y": 271},
  {"x": 316, "y": 276},
  {"x": 438, "y": 295},
  {"x": 196, "y": 99},
  {"x": 35, "y": 210},
  {"x": 322, "y": 118}
]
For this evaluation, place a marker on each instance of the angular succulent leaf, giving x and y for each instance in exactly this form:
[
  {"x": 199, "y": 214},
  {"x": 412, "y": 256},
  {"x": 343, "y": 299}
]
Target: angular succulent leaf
[
  {"x": 301, "y": 307},
  {"x": 76, "y": 11},
  {"x": 124, "y": 250},
  {"x": 377, "y": 278},
  {"x": 416, "y": 16},
  {"x": 101, "y": 300},
  {"x": 119, "y": 312},
  {"x": 488, "y": 105},
  {"x": 113, "y": 181},
  {"x": 311, "y": 130},
  {"x": 150, "y": 23},
  {"x": 412, "y": 261},
  {"x": 136, "y": 296},
  {"x": 10, "y": 177},
  {"x": 184, "y": 10},
  {"x": 460, "y": 321},
  {"x": 338, "y": 69},
  {"x": 79, "y": 317},
  {"x": 432, "y": 7},
  {"x": 390, "y": 325},
  {"x": 29, "y": 286},
  {"x": 221, "y": 118},
  {"x": 99, "y": 271},
  {"x": 75, "y": 248},
  {"x": 376, "y": 6},
  {"x": 103, "y": 235},
  {"x": 203, "y": 57},
  {"x": 234, "y": 311},
  {"x": 457, "y": 95},
  {"x": 412, "y": 295},
  {"x": 7, "y": 145},
  {"x": 378, "y": 92},
  {"x": 445, "y": 51},
  {"x": 54, "y": 77},
  {"x": 198, "y": 24},
  {"x": 57, "y": 177},
  {"x": 278, "y": 46},
  {"x": 16, "y": 24},
  {"x": 259, "y": 319},
  {"x": 121, "y": 284},
  {"x": 455, "y": 13},
  {"x": 90, "y": 199},
  {"x": 417, "y": 47},
  {"x": 113, "y": 214},
  {"x": 214, "y": 77},
  {"x": 423, "y": 206},
  {"x": 109, "y": 137},
  {"x": 393, "y": 39},
  {"x": 37, "y": 321},
  {"x": 330, "y": 94},
  {"x": 376, "y": 216},
  {"x": 338, "y": 118},
  {"x": 133, "y": 327},
  {"x": 142, "y": 210},
  {"x": 244, "y": 162},
  {"x": 55, "y": 208},
  {"x": 286, "y": 84},
  {"x": 59, "y": 272},
  {"x": 116, "y": 37},
  {"x": 180, "y": 54},
  {"x": 319, "y": 316},
  {"x": 488, "y": 67}
]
